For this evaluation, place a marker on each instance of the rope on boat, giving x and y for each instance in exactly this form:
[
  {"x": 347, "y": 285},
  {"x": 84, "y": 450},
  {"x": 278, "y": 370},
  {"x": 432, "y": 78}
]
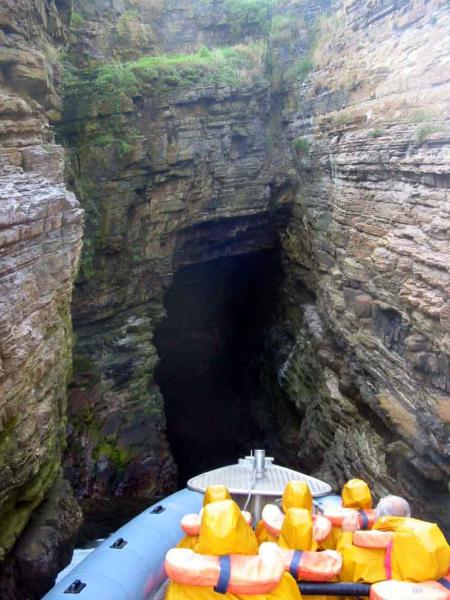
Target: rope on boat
[{"x": 252, "y": 484}]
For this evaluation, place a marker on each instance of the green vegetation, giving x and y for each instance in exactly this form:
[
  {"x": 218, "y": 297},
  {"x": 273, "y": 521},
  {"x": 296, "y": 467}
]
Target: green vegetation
[
  {"x": 299, "y": 71},
  {"x": 109, "y": 90},
  {"x": 425, "y": 130},
  {"x": 129, "y": 15},
  {"x": 76, "y": 20},
  {"x": 246, "y": 16},
  {"x": 328, "y": 31},
  {"x": 83, "y": 364},
  {"x": 120, "y": 457},
  {"x": 105, "y": 89},
  {"x": 302, "y": 145},
  {"x": 285, "y": 29},
  {"x": 375, "y": 133},
  {"x": 341, "y": 119},
  {"x": 421, "y": 117}
]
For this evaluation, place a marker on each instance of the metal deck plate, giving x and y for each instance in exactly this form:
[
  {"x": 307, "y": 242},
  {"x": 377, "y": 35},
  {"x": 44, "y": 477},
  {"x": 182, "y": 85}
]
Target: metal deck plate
[{"x": 238, "y": 479}]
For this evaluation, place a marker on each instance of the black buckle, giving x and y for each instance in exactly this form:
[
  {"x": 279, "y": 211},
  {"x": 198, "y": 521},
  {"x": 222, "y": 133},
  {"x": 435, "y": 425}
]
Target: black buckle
[
  {"x": 76, "y": 587},
  {"x": 119, "y": 544}
]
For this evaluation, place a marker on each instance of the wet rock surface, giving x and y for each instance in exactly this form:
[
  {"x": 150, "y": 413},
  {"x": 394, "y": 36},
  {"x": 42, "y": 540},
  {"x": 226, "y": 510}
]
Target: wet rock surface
[
  {"x": 40, "y": 244},
  {"x": 329, "y": 134},
  {"x": 196, "y": 184},
  {"x": 355, "y": 144},
  {"x": 367, "y": 363}
]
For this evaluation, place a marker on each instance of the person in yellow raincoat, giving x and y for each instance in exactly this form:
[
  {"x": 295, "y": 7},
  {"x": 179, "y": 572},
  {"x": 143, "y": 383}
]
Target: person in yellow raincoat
[
  {"x": 297, "y": 529},
  {"x": 224, "y": 531},
  {"x": 397, "y": 547},
  {"x": 214, "y": 493},
  {"x": 355, "y": 494},
  {"x": 296, "y": 495}
]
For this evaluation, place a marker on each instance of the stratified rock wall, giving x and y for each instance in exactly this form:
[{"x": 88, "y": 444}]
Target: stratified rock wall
[
  {"x": 365, "y": 359},
  {"x": 40, "y": 243},
  {"x": 195, "y": 182},
  {"x": 349, "y": 112}
]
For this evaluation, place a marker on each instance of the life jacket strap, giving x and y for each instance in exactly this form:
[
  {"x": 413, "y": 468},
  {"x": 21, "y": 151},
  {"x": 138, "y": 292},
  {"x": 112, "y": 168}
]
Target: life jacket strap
[
  {"x": 388, "y": 560},
  {"x": 295, "y": 562},
  {"x": 364, "y": 519},
  {"x": 225, "y": 574},
  {"x": 445, "y": 582}
]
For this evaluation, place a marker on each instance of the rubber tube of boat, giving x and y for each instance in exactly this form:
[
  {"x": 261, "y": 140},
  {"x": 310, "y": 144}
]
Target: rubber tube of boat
[
  {"x": 335, "y": 589},
  {"x": 129, "y": 565}
]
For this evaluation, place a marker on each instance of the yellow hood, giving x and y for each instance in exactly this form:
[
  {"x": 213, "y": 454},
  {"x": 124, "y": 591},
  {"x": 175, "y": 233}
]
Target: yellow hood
[
  {"x": 223, "y": 530},
  {"x": 356, "y": 494},
  {"x": 297, "y": 495},
  {"x": 297, "y": 530},
  {"x": 216, "y": 493}
]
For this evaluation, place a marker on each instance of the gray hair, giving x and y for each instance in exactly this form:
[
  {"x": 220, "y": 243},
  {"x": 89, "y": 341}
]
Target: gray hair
[{"x": 392, "y": 506}]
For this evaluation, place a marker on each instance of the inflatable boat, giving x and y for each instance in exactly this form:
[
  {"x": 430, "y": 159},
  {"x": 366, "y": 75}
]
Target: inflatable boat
[{"x": 129, "y": 565}]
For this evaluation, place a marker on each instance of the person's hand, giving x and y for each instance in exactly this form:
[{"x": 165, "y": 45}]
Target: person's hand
[{"x": 351, "y": 522}]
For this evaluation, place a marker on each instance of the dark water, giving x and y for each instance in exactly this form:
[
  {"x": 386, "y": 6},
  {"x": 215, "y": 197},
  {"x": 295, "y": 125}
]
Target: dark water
[{"x": 104, "y": 517}]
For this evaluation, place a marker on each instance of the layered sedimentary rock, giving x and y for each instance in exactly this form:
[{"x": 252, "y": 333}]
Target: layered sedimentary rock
[
  {"x": 363, "y": 353},
  {"x": 330, "y": 133},
  {"x": 189, "y": 165},
  {"x": 40, "y": 244},
  {"x": 194, "y": 181}
]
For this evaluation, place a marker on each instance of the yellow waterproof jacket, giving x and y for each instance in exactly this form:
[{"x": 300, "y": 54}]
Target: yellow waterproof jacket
[
  {"x": 355, "y": 494},
  {"x": 360, "y": 564},
  {"x": 224, "y": 531},
  {"x": 297, "y": 532},
  {"x": 214, "y": 493},
  {"x": 417, "y": 552},
  {"x": 296, "y": 495},
  {"x": 262, "y": 535}
]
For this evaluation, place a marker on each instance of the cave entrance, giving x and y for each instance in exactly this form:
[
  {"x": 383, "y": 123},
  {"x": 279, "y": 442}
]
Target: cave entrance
[{"x": 210, "y": 346}]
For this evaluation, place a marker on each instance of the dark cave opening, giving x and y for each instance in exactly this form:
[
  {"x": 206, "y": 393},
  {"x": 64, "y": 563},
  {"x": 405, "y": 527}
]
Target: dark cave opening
[{"x": 210, "y": 347}]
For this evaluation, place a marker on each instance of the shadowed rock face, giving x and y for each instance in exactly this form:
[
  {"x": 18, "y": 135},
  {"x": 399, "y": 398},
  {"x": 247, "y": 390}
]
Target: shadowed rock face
[
  {"x": 197, "y": 184},
  {"x": 40, "y": 244},
  {"x": 210, "y": 346}
]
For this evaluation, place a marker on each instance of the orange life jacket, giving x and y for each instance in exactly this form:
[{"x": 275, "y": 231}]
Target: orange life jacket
[
  {"x": 234, "y": 573},
  {"x": 401, "y": 590},
  {"x": 336, "y": 517},
  {"x": 311, "y": 566},
  {"x": 273, "y": 519}
]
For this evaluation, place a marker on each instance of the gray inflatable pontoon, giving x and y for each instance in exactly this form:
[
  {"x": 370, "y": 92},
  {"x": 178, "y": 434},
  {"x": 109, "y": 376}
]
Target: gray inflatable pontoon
[{"x": 129, "y": 565}]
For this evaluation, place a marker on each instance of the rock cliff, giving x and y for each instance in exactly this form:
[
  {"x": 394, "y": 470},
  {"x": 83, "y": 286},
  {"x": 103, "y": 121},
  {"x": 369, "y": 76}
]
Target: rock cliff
[
  {"x": 363, "y": 352},
  {"x": 40, "y": 243},
  {"x": 183, "y": 162},
  {"x": 211, "y": 140},
  {"x": 173, "y": 161}
]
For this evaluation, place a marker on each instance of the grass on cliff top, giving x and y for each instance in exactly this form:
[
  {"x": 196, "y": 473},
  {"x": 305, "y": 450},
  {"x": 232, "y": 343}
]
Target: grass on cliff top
[
  {"x": 113, "y": 83},
  {"x": 229, "y": 65}
]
